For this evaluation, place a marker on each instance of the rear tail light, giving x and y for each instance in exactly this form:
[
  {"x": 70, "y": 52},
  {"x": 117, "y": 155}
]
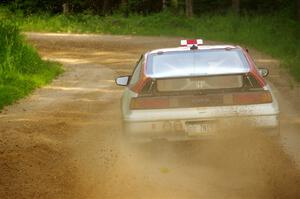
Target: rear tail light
[
  {"x": 149, "y": 103},
  {"x": 260, "y": 97},
  {"x": 209, "y": 100}
]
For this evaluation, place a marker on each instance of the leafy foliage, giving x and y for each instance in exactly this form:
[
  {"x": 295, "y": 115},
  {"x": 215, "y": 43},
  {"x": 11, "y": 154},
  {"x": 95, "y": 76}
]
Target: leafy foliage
[
  {"x": 21, "y": 68},
  {"x": 276, "y": 35},
  {"x": 104, "y": 7}
]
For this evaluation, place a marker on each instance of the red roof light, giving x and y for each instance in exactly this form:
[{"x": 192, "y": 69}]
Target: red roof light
[{"x": 191, "y": 42}]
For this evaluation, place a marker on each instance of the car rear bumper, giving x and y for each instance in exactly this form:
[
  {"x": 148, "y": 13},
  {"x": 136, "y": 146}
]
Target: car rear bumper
[{"x": 205, "y": 127}]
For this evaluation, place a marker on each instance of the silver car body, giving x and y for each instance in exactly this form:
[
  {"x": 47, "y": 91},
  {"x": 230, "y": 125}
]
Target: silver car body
[{"x": 195, "y": 122}]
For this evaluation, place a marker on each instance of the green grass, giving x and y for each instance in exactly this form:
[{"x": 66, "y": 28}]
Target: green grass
[
  {"x": 276, "y": 35},
  {"x": 21, "y": 68}
]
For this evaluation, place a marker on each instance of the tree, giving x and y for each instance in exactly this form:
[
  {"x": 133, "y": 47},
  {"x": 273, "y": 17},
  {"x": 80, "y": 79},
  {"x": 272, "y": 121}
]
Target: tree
[
  {"x": 124, "y": 7},
  {"x": 298, "y": 9},
  {"x": 236, "y": 6},
  {"x": 174, "y": 4},
  {"x": 124, "y": 3},
  {"x": 105, "y": 7},
  {"x": 66, "y": 7},
  {"x": 164, "y": 4},
  {"x": 189, "y": 8}
]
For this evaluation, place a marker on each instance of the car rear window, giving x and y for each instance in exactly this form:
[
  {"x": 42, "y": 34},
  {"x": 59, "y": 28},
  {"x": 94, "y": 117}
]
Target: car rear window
[
  {"x": 195, "y": 63},
  {"x": 200, "y": 83}
]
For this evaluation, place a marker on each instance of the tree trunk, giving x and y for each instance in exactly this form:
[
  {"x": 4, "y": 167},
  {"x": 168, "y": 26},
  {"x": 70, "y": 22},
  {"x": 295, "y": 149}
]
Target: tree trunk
[
  {"x": 298, "y": 10},
  {"x": 174, "y": 4},
  {"x": 105, "y": 7},
  {"x": 66, "y": 8},
  {"x": 189, "y": 8},
  {"x": 164, "y": 4},
  {"x": 124, "y": 3},
  {"x": 124, "y": 8},
  {"x": 236, "y": 6}
]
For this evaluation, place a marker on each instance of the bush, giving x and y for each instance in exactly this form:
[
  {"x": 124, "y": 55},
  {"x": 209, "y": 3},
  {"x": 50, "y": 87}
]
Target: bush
[{"x": 21, "y": 68}]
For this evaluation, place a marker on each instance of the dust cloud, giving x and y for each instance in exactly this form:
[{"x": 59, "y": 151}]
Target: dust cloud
[{"x": 237, "y": 164}]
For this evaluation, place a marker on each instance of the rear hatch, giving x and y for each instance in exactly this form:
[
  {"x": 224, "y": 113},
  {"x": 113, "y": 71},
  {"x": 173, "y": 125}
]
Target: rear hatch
[{"x": 205, "y": 91}]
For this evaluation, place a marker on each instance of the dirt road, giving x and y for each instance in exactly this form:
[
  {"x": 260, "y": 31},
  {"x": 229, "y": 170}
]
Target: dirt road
[{"x": 64, "y": 141}]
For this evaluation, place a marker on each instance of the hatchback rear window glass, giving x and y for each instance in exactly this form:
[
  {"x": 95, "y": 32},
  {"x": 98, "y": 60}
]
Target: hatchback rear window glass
[{"x": 199, "y": 62}]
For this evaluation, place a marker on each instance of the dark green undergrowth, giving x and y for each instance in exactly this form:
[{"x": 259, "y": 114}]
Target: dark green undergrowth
[
  {"x": 276, "y": 35},
  {"x": 21, "y": 68}
]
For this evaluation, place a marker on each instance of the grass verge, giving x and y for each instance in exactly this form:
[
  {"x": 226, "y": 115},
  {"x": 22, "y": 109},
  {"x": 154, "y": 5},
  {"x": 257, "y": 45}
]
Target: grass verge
[{"x": 21, "y": 68}]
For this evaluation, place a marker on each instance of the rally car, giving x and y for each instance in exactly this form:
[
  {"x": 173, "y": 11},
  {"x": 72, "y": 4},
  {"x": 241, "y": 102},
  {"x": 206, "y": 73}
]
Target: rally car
[{"x": 194, "y": 91}]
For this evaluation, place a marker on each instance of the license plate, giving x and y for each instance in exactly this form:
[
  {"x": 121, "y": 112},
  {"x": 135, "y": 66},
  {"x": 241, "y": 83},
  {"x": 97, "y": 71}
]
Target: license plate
[{"x": 198, "y": 128}]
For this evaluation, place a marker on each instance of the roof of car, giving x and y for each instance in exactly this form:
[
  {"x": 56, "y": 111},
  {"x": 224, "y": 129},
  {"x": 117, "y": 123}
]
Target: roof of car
[{"x": 186, "y": 48}]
